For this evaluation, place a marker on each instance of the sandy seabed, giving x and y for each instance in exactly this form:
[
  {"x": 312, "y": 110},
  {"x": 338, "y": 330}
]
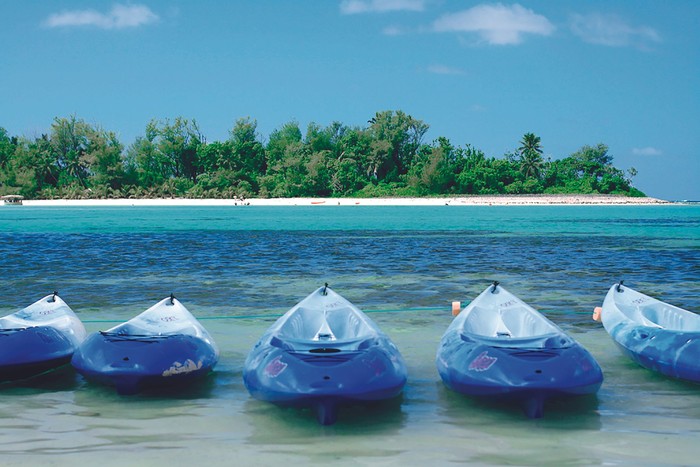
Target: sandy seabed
[{"x": 481, "y": 200}]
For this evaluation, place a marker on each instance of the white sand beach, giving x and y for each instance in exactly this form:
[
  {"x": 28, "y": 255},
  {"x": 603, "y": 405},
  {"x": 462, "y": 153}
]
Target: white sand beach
[{"x": 477, "y": 200}]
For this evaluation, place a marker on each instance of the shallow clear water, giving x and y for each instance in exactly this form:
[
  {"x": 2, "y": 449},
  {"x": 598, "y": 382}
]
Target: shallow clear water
[{"x": 238, "y": 268}]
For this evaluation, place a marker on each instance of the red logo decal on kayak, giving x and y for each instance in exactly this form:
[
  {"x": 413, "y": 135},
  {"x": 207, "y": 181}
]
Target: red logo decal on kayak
[
  {"x": 483, "y": 362},
  {"x": 275, "y": 367}
]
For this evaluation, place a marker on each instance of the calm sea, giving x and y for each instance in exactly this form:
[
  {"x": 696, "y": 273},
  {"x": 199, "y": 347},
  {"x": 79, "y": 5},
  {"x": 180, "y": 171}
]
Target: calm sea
[{"x": 239, "y": 268}]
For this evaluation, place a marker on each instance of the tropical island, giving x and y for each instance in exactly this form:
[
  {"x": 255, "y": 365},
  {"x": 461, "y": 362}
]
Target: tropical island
[{"x": 386, "y": 158}]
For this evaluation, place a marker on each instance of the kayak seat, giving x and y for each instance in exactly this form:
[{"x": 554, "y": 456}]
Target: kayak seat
[
  {"x": 314, "y": 325},
  {"x": 484, "y": 322},
  {"x": 347, "y": 325},
  {"x": 304, "y": 324},
  {"x": 649, "y": 317},
  {"x": 522, "y": 323},
  {"x": 646, "y": 316},
  {"x": 511, "y": 323},
  {"x": 307, "y": 328}
]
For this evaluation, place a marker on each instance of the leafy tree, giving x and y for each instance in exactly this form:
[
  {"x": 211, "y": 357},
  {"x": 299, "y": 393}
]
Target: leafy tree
[
  {"x": 167, "y": 150},
  {"x": 588, "y": 170},
  {"x": 288, "y": 177},
  {"x": 248, "y": 151},
  {"x": 69, "y": 140},
  {"x": 232, "y": 166},
  {"x": 319, "y": 172},
  {"x": 396, "y": 140},
  {"x": 106, "y": 163},
  {"x": 146, "y": 165},
  {"x": 33, "y": 166},
  {"x": 289, "y": 134},
  {"x": 178, "y": 142},
  {"x": 433, "y": 171},
  {"x": 216, "y": 156},
  {"x": 7, "y": 147}
]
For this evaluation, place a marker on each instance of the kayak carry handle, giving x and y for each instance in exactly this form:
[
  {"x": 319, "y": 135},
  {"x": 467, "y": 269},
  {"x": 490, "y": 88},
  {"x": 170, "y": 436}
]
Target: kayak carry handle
[
  {"x": 172, "y": 298},
  {"x": 619, "y": 286},
  {"x": 495, "y": 286},
  {"x": 325, "y": 286},
  {"x": 596, "y": 313},
  {"x": 53, "y": 299}
]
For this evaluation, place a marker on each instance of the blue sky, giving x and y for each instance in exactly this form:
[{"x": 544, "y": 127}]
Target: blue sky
[{"x": 623, "y": 73}]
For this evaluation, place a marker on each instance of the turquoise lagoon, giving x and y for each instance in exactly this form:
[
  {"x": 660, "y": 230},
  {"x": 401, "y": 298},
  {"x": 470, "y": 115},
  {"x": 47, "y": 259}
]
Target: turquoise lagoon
[{"x": 239, "y": 268}]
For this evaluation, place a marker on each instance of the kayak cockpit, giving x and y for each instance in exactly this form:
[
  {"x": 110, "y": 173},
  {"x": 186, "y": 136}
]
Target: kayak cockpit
[
  {"x": 510, "y": 323},
  {"x": 323, "y": 331},
  {"x": 654, "y": 313},
  {"x": 513, "y": 326},
  {"x": 668, "y": 317}
]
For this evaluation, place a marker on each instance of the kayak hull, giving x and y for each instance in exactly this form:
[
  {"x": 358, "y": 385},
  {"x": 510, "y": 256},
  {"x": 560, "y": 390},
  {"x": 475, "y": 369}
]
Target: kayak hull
[
  {"x": 32, "y": 351},
  {"x": 526, "y": 376},
  {"x": 671, "y": 353},
  {"x": 654, "y": 334},
  {"x": 38, "y": 338},
  {"x": 325, "y": 382},
  {"x": 358, "y": 364},
  {"x": 500, "y": 347},
  {"x": 132, "y": 364},
  {"x": 163, "y": 347}
]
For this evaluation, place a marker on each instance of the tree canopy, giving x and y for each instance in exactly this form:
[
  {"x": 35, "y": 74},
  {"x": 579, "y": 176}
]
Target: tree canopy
[{"x": 387, "y": 157}]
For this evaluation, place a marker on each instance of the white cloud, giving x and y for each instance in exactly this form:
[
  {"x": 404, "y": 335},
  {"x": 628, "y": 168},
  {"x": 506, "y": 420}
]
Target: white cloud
[
  {"x": 119, "y": 17},
  {"x": 496, "y": 24},
  {"x": 445, "y": 70},
  {"x": 352, "y": 7},
  {"x": 647, "y": 151},
  {"x": 612, "y": 31},
  {"x": 393, "y": 31}
]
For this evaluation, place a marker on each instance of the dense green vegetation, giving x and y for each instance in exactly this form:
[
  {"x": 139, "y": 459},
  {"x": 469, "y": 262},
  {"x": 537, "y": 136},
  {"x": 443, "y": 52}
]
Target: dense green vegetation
[{"x": 388, "y": 157}]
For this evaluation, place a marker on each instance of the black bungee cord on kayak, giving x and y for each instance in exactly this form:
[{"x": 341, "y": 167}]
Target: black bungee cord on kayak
[
  {"x": 324, "y": 292},
  {"x": 619, "y": 286},
  {"x": 53, "y": 299},
  {"x": 172, "y": 298},
  {"x": 495, "y": 286}
]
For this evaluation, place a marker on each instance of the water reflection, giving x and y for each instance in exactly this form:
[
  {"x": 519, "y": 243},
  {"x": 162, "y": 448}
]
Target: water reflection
[
  {"x": 569, "y": 413},
  {"x": 63, "y": 378}
]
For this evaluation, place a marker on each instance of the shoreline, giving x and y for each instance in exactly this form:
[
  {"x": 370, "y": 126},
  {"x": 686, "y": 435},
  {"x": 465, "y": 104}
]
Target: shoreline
[{"x": 475, "y": 200}]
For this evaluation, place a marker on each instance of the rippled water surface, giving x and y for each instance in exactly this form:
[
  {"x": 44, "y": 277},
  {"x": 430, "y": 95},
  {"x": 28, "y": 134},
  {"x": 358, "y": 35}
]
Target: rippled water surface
[{"x": 238, "y": 268}]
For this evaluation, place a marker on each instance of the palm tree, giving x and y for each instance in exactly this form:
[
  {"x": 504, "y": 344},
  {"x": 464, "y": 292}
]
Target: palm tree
[
  {"x": 531, "y": 164},
  {"x": 530, "y": 155},
  {"x": 530, "y": 143}
]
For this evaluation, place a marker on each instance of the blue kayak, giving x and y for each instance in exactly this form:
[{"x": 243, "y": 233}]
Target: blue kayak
[
  {"x": 500, "y": 347},
  {"x": 39, "y": 338},
  {"x": 655, "y": 334},
  {"x": 162, "y": 347},
  {"x": 324, "y": 353}
]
